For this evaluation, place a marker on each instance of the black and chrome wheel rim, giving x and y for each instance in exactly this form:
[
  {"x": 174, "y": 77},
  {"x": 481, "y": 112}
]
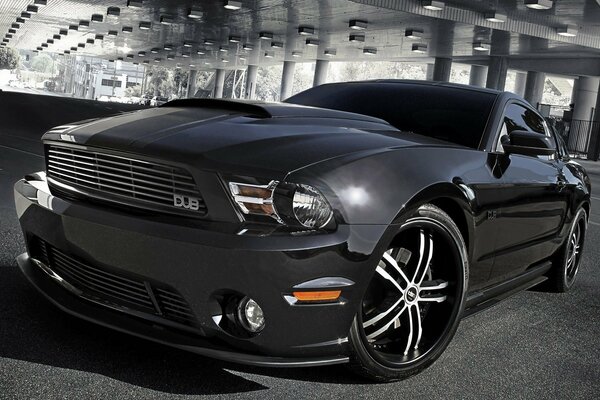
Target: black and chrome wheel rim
[
  {"x": 413, "y": 298},
  {"x": 574, "y": 247}
]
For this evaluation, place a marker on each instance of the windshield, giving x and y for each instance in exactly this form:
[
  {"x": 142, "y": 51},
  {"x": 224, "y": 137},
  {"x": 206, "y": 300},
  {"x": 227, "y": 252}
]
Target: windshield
[{"x": 452, "y": 114}]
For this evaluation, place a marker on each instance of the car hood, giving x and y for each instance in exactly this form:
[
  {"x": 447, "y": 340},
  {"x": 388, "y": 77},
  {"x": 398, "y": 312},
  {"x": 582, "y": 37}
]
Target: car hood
[{"x": 254, "y": 139}]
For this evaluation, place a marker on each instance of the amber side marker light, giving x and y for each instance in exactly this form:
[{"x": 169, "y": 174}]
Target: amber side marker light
[{"x": 325, "y": 295}]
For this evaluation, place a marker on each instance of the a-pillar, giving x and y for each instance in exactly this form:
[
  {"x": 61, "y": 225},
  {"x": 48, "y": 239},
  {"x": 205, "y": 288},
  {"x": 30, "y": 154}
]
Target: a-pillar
[
  {"x": 321, "y": 69},
  {"x": 520, "y": 82},
  {"x": 251, "y": 75},
  {"x": 496, "y": 76},
  {"x": 441, "y": 69},
  {"x": 219, "y": 83},
  {"x": 191, "y": 86},
  {"x": 287, "y": 79},
  {"x": 584, "y": 97},
  {"x": 534, "y": 87},
  {"x": 478, "y": 75}
]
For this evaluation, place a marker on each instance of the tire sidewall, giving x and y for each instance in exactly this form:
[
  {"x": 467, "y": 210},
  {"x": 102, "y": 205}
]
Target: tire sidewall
[{"x": 580, "y": 216}]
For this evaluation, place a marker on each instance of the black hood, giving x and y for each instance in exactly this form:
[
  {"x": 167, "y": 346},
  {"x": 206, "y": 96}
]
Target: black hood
[{"x": 270, "y": 139}]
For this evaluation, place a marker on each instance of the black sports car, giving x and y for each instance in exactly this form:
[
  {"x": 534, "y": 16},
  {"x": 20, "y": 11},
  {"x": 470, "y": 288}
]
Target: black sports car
[{"x": 355, "y": 223}]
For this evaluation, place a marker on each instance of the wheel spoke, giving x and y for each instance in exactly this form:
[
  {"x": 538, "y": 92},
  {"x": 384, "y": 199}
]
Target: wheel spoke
[
  {"x": 411, "y": 327},
  {"x": 430, "y": 286},
  {"x": 383, "y": 314},
  {"x": 422, "y": 267},
  {"x": 419, "y": 327},
  {"x": 379, "y": 331},
  {"x": 388, "y": 259},
  {"x": 383, "y": 273}
]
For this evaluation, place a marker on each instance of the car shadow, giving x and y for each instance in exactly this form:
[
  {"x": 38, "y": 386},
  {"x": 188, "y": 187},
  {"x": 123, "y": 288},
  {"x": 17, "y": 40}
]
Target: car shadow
[{"x": 33, "y": 330}]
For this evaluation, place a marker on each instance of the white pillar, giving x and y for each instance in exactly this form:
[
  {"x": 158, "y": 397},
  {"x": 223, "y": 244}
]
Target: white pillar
[
  {"x": 584, "y": 98},
  {"x": 321, "y": 69},
  {"x": 534, "y": 87},
  {"x": 520, "y": 82},
  {"x": 219, "y": 83},
  {"x": 251, "y": 75},
  {"x": 287, "y": 80},
  {"x": 191, "y": 86},
  {"x": 478, "y": 75}
]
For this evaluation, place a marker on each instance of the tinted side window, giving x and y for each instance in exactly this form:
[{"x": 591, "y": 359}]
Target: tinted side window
[{"x": 518, "y": 117}]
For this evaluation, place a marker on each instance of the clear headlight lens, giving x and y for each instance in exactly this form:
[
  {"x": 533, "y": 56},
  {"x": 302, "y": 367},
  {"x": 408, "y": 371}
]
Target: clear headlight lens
[{"x": 288, "y": 203}]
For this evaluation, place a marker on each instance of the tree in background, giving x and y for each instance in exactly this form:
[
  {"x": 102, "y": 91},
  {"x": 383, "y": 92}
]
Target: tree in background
[
  {"x": 159, "y": 81},
  {"x": 180, "y": 81},
  {"x": 42, "y": 63},
  {"x": 9, "y": 58}
]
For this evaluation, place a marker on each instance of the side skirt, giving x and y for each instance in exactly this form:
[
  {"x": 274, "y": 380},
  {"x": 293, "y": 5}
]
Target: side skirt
[{"x": 482, "y": 299}]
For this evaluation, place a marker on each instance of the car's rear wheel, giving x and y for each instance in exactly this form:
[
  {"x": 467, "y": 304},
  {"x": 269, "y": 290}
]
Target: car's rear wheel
[
  {"x": 567, "y": 259},
  {"x": 412, "y": 306}
]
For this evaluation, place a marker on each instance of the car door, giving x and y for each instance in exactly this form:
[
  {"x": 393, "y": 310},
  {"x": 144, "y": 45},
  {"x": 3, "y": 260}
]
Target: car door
[{"x": 533, "y": 198}]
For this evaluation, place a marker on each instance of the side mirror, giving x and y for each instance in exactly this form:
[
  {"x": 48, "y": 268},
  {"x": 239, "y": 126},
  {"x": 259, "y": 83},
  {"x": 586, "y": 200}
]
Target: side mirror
[{"x": 528, "y": 143}]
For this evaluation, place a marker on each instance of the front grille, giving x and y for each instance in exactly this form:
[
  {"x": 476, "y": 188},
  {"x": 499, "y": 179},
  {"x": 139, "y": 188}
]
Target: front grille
[
  {"x": 115, "y": 288},
  {"x": 124, "y": 180}
]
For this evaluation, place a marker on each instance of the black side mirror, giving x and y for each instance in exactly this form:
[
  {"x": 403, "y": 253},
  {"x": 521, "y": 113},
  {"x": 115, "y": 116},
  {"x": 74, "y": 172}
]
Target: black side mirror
[{"x": 528, "y": 143}]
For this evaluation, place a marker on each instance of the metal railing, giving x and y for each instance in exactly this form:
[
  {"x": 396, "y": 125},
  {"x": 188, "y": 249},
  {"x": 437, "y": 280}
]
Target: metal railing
[{"x": 581, "y": 137}]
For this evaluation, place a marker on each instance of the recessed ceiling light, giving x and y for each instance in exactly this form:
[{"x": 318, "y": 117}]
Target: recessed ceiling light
[
  {"x": 242, "y": 57},
  {"x": 40, "y": 49},
  {"x": 266, "y": 35},
  {"x": 539, "y": 4},
  {"x": 233, "y": 5},
  {"x": 157, "y": 60},
  {"x": 73, "y": 27},
  {"x": 234, "y": 39},
  {"x": 186, "y": 54},
  {"x": 248, "y": 46},
  {"x": 127, "y": 29},
  {"x": 200, "y": 52},
  {"x": 25, "y": 15},
  {"x": 269, "y": 54},
  {"x": 419, "y": 48},
  {"x": 84, "y": 23},
  {"x": 277, "y": 45},
  {"x": 567, "y": 30},
  {"x": 32, "y": 9},
  {"x": 119, "y": 58},
  {"x": 56, "y": 37},
  {"x": 97, "y": 17},
  {"x": 67, "y": 51},
  {"x": 135, "y": 3},
  {"x": 481, "y": 46},
  {"x": 358, "y": 24},
  {"x": 296, "y": 54},
  {"x": 90, "y": 41},
  {"x": 82, "y": 45},
  {"x": 11, "y": 30},
  {"x": 192, "y": 65},
  {"x": 113, "y": 11},
  {"x": 356, "y": 37},
  {"x": 141, "y": 54},
  {"x": 209, "y": 42},
  {"x": 312, "y": 42},
  {"x": 188, "y": 44},
  {"x": 44, "y": 45},
  {"x": 50, "y": 41},
  {"x": 145, "y": 25},
  {"x": 146, "y": 62},
  {"x": 206, "y": 62},
  {"x": 14, "y": 25},
  {"x": 433, "y": 5},
  {"x": 494, "y": 16},
  {"x": 112, "y": 33},
  {"x": 370, "y": 51},
  {"x": 73, "y": 48},
  {"x": 330, "y": 52},
  {"x": 413, "y": 34},
  {"x": 195, "y": 12},
  {"x": 154, "y": 50},
  {"x": 306, "y": 30},
  {"x": 63, "y": 32},
  {"x": 8, "y": 35},
  {"x": 168, "y": 47},
  {"x": 223, "y": 49},
  {"x": 166, "y": 20},
  {"x": 99, "y": 37}
]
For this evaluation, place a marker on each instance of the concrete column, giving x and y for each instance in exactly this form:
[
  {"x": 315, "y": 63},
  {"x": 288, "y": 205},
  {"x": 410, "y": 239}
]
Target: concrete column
[
  {"x": 321, "y": 69},
  {"x": 496, "y": 77},
  {"x": 219, "y": 83},
  {"x": 287, "y": 80},
  {"x": 520, "y": 82},
  {"x": 429, "y": 72},
  {"x": 534, "y": 87},
  {"x": 594, "y": 147},
  {"x": 441, "y": 69},
  {"x": 584, "y": 98},
  {"x": 478, "y": 75},
  {"x": 251, "y": 74},
  {"x": 191, "y": 86}
]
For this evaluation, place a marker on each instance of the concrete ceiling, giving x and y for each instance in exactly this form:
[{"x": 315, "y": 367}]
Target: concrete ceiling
[{"x": 450, "y": 32}]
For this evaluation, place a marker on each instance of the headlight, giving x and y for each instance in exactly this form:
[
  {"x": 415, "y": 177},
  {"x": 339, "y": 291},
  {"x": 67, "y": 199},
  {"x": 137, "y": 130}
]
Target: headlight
[{"x": 288, "y": 203}]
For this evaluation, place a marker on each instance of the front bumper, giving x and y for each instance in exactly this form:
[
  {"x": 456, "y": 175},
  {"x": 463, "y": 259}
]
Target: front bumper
[{"x": 198, "y": 261}]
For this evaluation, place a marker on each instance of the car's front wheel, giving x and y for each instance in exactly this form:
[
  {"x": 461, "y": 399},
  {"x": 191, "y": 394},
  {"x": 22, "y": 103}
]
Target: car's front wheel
[{"x": 412, "y": 306}]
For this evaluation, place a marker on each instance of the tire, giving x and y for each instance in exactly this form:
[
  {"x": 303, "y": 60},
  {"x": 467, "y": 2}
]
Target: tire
[
  {"x": 412, "y": 308},
  {"x": 565, "y": 264}
]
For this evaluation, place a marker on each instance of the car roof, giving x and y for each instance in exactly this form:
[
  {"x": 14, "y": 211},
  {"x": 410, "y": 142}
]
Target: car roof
[{"x": 423, "y": 83}]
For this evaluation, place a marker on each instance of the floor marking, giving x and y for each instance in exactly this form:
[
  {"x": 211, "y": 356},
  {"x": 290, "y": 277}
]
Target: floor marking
[
  {"x": 22, "y": 151},
  {"x": 595, "y": 198},
  {"x": 594, "y": 223}
]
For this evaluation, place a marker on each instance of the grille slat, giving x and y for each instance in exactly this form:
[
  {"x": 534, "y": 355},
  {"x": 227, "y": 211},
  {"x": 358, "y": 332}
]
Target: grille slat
[
  {"x": 121, "y": 179},
  {"x": 114, "y": 287}
]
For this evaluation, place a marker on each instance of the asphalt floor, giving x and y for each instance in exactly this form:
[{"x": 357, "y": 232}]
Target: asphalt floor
[{"x": 534, "y": 345}]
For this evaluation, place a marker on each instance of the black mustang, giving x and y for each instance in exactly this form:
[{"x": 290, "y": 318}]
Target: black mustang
[{"x": 355, "y": 223}]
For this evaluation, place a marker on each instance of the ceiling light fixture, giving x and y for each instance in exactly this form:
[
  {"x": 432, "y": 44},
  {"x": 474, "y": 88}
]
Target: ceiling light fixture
[
  {"x": 186, "y": 54},
  {"x": 113, "y": 11},
  {"x": 248, "y": 46},
  {"x": 145, "y": 25},
  {"x": 32, "y": 9},
  {"x": 25, "y": 15},
  {"x": 539, "y": 4},
  {"x": 73, "y": 27},
  {"x": 135, "y": 3},
  {"x": 154, "y": 50},
  {"x": 481, "y": 46},
  {"x": 223, "y": 49},
  {"x": 494, "y": 16},
  {"x": 63, "y": 32},
  {"x": 269, "y": 54},
  {"x": 99, "y": 37},
  {"x": 370, "y": 51},
  {"x": 166, "y": 20},
  {"x": 209, "y": 42},
  {"x": 170, "y": 56},
  {"x": 90, "y": 41},
  {"x": 141, "y": 54},
  {"x": 330, "y": 52},
  {"x": 235, "y": 39},
  {"x": 56, "y": 37},
  {"x": 358, "y": 24},
  {"x": 296, "y": 54},
  {"x": 356, "y": 37},
  {"x": 306, "y": 30},
  {"x": 188, "y": 44},
  {"x": 312, "y": 42},
  {"x": 97, "y": 18},
  {"x": 168, "y": 47},
  {"x": 567, "y": 30},
  {"x": 20, "y": 20},
  {"x": 41, "y": 3},
  {"x": 277, "y": 45},
  {"x": 112, "y": 33},
  {"x": 195, "y": 13},
  {"x": 233, "y": 5},
  {"x": 413, "y": 34},
  {"x": 433, "y": 5},
  {"x": 419, "y": 48},
  {"x": 127, "y": 29},
  {"x": 266, "y": 35},
  {"x": 83, "y": 23}
]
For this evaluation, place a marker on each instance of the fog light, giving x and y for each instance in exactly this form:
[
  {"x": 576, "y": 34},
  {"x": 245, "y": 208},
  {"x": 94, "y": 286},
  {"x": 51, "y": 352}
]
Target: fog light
[{"x": 251, "y": 315}]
